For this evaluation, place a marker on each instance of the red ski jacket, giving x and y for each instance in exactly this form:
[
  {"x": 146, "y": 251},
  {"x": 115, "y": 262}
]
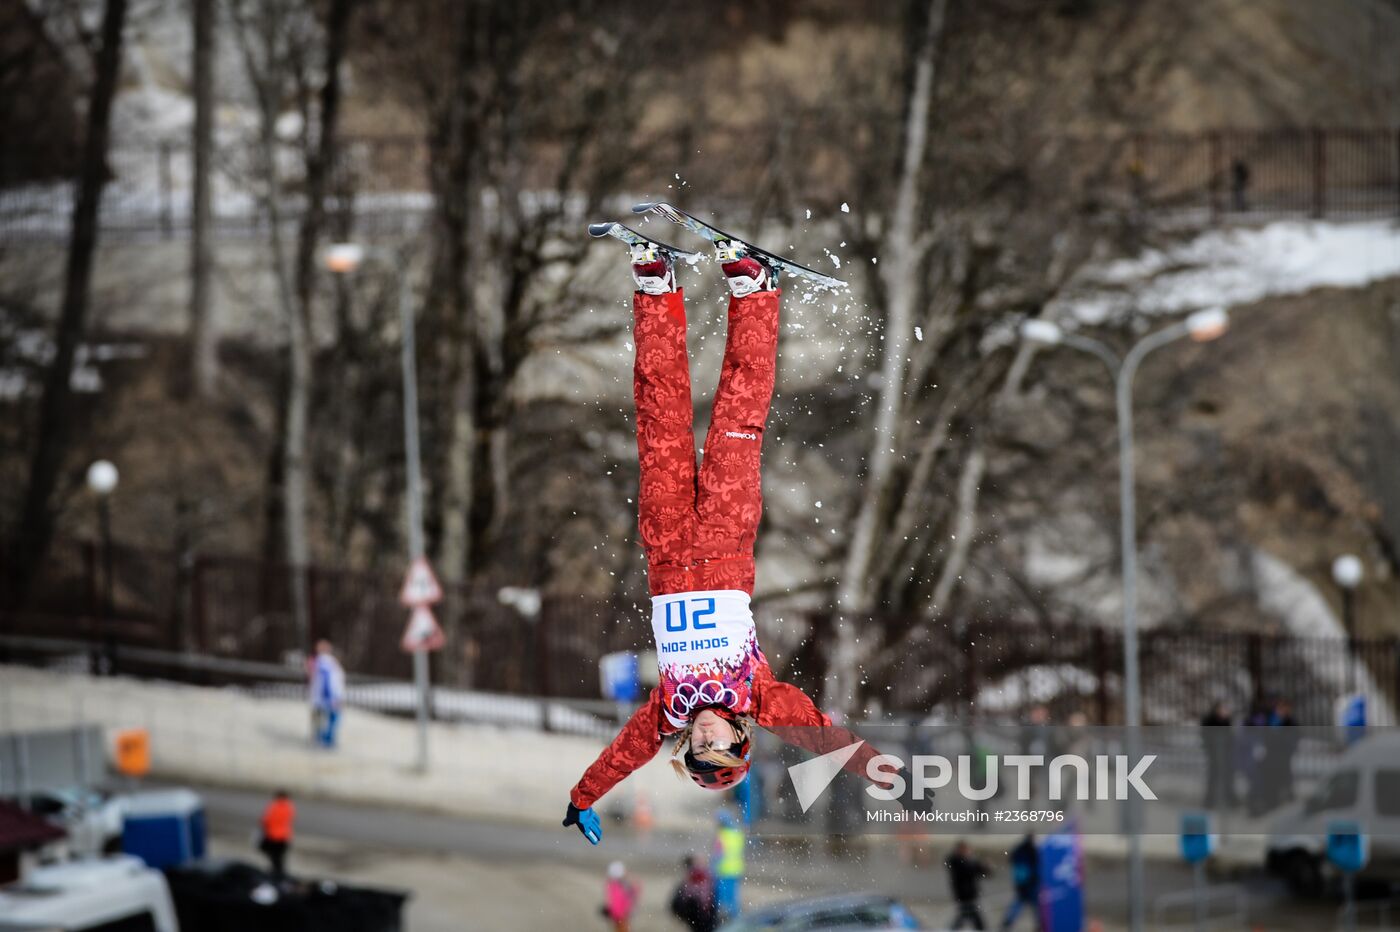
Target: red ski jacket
[{"x": 776, "y": 705}]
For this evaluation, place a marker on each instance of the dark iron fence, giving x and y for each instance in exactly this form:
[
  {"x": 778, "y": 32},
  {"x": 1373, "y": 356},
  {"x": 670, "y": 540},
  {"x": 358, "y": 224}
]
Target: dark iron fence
[
  {"x": 380, "y": 185},
  {"x": 1286, "y": 172},
  {"x": 237, "y": 609}
]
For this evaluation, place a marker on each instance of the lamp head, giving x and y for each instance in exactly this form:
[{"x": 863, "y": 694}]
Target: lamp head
[
  {"x": 1208, "y": 325},
  {"x": 1042, "y": 331},
  {"x": 343, "y": 258},
  {"x": 102, "y": 477},
  {"x": 1347, "y": 571}
]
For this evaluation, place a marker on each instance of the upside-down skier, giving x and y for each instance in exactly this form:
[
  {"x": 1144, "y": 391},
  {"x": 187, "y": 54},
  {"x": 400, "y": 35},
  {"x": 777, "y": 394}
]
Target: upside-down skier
[{"x": 698, "y": 531}]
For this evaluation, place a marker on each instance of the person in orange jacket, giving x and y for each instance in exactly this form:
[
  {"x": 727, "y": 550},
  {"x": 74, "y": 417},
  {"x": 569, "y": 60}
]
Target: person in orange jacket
[
  {"x": 277, "y": 821},
  {"x": 698, "y": 529}
]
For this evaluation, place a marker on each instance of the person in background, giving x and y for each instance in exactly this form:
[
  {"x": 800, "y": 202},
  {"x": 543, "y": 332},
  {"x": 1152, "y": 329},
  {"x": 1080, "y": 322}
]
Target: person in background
[
  {"x": 621, "y": 895},
  {"x": 1077, "y": 739},
  {"x": 1239, "y": 185},
  {"x": 693, "y": 903},
  {"x": 276, "y": 828},
  {"x": 327, "y": 692},
  {"x": 1025, "y": 882},
  {"x": 1220, "y": 769},
  {"x": 1282, "y": 746},
  {"x": 1250, "y": 752},
  {"x": 728, "y": 865},
  {"x": 1038, "y": 737},
  {"x": 965, "y": 875}
]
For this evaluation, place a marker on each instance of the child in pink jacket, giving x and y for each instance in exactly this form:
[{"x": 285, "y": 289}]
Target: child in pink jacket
[{"x": 620, "y": 896}]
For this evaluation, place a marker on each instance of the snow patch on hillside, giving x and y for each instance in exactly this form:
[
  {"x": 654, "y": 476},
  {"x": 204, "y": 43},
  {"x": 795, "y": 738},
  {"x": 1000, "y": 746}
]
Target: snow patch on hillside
[{"x": 1235, "y": 266}]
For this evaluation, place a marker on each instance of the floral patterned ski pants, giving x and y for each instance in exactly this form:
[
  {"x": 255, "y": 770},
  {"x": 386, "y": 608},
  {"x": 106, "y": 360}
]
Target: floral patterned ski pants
[{"x": 699, "y": 529}]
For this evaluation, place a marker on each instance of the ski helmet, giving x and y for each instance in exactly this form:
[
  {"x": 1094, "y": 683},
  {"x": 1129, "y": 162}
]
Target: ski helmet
[{"x": 709, "y": 776}]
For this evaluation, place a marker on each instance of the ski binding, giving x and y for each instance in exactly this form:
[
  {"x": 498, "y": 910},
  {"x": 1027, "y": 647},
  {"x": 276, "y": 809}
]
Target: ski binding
[{"x": 644, "y": 248}]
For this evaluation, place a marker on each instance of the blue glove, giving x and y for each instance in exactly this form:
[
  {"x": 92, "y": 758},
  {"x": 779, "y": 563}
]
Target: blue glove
[
  {"x": 907, "y": 800},
  {"x": 587, "y": 822}
]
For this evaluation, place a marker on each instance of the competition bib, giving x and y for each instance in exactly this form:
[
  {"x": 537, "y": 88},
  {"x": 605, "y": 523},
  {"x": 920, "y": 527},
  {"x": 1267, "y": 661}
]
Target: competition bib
[{"x": 706, "y": 649}]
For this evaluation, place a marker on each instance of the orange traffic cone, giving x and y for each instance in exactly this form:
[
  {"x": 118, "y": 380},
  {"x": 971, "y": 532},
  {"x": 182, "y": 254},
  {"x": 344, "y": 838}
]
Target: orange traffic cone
[{"x": 642, "y": 817}]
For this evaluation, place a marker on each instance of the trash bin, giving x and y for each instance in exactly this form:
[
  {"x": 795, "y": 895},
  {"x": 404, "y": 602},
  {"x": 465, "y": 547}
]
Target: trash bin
[
  {"x": 163, "y": 827},
  {"x": 231, "y": 896}
]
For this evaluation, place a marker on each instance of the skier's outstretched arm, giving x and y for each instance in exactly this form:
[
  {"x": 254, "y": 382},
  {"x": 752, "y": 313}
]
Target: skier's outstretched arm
[
  {"x": 794, "y": 718},
  {"x": 635, "y": 744}
]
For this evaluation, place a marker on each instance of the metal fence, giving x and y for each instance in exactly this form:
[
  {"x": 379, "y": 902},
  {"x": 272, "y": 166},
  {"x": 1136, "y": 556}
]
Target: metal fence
[
  {"x": 381, "y": 184},
  {"x": 234, "y": 609},
  {"x": 1262, "y": 173}
]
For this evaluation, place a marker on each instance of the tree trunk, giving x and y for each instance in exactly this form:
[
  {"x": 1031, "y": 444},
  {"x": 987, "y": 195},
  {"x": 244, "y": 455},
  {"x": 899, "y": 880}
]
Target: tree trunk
[
  {"x": 54, "y": 424},
  {"x": 455, "y": 195},
  {"x": 903, "y": 255},
  {"x": 204, "y": 335},
  {"x": 319, "y": 165}
]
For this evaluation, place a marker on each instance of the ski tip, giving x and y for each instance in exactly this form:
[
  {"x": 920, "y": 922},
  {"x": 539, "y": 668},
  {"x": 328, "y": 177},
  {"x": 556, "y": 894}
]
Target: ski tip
[
  {"x": 600, "y": 229},
  {"x": 643, "y": 207}
]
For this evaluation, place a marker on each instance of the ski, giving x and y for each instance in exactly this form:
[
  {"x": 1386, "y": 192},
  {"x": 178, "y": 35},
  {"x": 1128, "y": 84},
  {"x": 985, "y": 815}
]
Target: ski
[
  {"x": 637, "y": 241},
  {"x": 729, "y": 241}
]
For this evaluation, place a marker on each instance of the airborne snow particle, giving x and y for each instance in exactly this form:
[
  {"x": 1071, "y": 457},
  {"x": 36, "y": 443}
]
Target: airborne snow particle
[
  {"x": 919, "y": 334},
  {"x": 845, "y": 208},
  {"x": 809, "y": 213}
]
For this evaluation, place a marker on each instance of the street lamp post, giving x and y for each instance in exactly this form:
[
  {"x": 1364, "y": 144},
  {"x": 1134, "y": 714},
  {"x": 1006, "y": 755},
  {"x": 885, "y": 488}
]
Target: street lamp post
[
  {"x": 345, "y": 258},
  {"x": 1201, "y": 326},
  {"x": 1347, "y": 573},
  {"x": 102, "y": 480}
]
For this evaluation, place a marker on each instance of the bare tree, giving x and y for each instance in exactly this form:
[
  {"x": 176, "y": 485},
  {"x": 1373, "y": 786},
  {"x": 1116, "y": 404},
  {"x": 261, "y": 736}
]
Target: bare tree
[
  {"x": 52, "y": 435},
  {"x": 905, "y": 248},
  {"x": 278, "y": 38},
  {"x": 528, "y": 129}
]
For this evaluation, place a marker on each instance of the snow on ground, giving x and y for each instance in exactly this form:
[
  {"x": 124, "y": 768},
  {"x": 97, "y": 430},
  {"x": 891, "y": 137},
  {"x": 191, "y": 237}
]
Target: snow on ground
[
  {"x": 230, "y": 738},
  {"x": 1235, "y": 265},
  {"x": 1296, "y": 602},
  {"x": 1035, "y": 684}
]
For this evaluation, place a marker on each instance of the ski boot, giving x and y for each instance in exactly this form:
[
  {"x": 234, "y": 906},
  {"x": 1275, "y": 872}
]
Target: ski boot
[
  {"x": 744, "y": 271},
  {"x": 653, "y": 268}
]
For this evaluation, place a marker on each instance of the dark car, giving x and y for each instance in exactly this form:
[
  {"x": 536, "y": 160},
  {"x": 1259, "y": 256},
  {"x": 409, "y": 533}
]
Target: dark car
[{"x": 831, "y": 913}]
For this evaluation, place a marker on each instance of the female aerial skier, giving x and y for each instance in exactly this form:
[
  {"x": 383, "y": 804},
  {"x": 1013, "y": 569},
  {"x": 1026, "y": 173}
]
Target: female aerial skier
[{"x": 698, "y": 532}]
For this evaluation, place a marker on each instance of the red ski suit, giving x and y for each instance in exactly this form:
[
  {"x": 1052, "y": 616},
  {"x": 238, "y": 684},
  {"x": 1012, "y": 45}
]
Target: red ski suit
[{"x": 699, "y": 529}]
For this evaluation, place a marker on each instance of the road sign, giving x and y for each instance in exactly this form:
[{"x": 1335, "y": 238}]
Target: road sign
[
  {"x": 420, "y": 586},
  {"x": 1348, "y": 847},
  {"x": 620, "y": 676},
  {"x": 1062, "y": 880},
  {"x": 1198, "y": 842},
  {"x": 423, "y": 632}
]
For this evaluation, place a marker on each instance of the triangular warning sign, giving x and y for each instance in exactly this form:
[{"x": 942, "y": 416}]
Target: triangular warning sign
[
  {"x": 420, "y": 586},
  {"x": 423, "y": 632}
]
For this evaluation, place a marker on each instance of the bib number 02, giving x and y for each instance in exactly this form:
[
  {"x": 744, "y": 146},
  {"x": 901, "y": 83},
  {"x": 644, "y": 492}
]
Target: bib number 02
[{"x": 679, "y": 617}]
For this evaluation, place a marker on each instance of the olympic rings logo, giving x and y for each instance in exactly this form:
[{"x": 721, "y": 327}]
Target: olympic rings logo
[{"x": 711, "y": 692}]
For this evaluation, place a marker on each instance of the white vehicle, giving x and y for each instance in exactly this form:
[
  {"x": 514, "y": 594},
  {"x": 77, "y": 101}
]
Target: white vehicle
[
  {"x": 92, "y": 819},
  {"x": 1364, "y": 787},
  {"x": 115, "y": 893}
]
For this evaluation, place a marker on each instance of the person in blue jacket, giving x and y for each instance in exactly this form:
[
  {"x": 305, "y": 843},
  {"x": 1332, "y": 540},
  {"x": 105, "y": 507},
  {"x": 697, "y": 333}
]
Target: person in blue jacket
[{"x": 1025, "y": 882}]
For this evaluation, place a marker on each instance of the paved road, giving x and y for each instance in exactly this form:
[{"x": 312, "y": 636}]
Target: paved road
[{"x": 785, "y": 869}]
